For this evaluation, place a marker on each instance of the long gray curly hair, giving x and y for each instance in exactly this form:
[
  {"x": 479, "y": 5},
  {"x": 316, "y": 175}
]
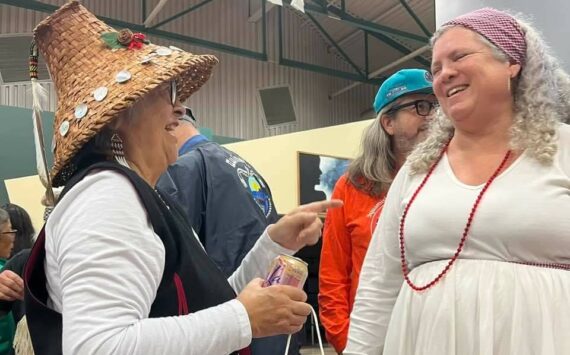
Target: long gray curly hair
[{"x": 541, "y": 94}]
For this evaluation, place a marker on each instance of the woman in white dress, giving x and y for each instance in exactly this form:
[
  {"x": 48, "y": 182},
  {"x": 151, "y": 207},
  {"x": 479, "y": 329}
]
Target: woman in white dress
[{"x": 472, "y": 252}]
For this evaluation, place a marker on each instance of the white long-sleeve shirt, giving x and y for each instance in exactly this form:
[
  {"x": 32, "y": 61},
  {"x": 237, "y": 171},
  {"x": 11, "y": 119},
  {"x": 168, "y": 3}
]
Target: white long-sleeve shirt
[{"x": 104, "y": 264}]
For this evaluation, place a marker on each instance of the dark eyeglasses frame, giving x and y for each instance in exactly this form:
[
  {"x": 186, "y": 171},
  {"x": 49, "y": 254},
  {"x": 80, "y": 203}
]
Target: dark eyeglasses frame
[
  {"x": 13, "y": 231},
  {"x": 173, "y": 92},
  {"x": 416, "y": 104},
  {"x": 188, "y": 116}
]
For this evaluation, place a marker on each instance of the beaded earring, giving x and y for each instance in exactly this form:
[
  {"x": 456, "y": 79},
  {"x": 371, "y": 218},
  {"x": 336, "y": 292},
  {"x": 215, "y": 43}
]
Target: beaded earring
[{"x": 117, "y": 149}]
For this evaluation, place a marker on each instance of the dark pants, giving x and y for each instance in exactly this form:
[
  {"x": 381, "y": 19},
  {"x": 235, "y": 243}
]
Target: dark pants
[{"x": 275, "y": 345}]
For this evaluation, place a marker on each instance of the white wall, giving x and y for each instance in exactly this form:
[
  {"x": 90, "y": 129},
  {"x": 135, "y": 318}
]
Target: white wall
[{"x": 550, "y": 17}]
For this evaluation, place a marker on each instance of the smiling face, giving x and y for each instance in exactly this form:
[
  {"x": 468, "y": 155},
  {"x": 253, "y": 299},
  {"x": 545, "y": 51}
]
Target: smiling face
[
  {"x": 470, "y": 82},
  {"x": 406, "y": 126},
  {"x": 148, "y": 135}
]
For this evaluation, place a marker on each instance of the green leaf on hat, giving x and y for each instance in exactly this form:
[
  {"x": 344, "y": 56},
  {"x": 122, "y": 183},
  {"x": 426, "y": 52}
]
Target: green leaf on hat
[{"x": 111, "y": 40}]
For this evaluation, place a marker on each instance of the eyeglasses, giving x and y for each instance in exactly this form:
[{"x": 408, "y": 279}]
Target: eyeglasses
[
  {"x": 173, "y": 92},
  {"x": 188, "y": 116},
  {"x": 11, "y": 232},
  {"x": 423, "y": 107}
]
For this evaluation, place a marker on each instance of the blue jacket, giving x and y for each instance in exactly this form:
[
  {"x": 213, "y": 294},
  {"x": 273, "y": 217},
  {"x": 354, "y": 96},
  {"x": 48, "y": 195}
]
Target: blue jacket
[{"x": 226, "y": 200}]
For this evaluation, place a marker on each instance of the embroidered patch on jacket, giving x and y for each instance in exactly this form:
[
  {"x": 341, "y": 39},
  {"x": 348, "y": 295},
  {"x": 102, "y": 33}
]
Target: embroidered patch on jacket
[{"x": 252, "y": 182}]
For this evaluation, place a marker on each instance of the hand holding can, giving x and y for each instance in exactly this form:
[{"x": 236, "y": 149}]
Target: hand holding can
[
  {"x": 279, "y": 309},
  {"x": 287, "y": 270}
]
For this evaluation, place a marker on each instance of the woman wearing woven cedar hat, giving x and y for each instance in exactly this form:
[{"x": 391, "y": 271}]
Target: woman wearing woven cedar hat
[
  {"x": 471, "y": 253},
  {"x": 116, "y": 269},
  {"x": 403, "y": 105}
]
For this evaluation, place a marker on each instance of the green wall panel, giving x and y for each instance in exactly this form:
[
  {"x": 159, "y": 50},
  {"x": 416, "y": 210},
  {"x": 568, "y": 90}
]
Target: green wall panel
[{"x": 17, "y": 151}]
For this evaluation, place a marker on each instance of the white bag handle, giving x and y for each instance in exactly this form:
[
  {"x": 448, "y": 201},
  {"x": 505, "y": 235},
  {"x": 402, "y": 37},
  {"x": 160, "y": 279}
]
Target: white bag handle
[{"x": 318, "y": 334}]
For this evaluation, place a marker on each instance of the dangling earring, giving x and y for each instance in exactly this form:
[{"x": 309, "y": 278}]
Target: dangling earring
[
  {"x": 509, "y": 83},
  {"x": 117, "y": 149}
]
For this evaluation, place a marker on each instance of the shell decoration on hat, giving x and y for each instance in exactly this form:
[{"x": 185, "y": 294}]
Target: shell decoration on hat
[{"x": 99, "y": 72}]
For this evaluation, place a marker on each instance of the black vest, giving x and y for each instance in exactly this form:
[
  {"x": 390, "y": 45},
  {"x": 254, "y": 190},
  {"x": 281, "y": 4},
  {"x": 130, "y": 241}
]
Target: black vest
[{"x": 190, "y": 282}]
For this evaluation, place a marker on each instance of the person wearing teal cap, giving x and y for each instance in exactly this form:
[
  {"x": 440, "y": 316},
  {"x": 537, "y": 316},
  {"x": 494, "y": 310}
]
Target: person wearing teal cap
[
  {"x": 402, "y": 104},
  {"x": 402, "y": 83}
]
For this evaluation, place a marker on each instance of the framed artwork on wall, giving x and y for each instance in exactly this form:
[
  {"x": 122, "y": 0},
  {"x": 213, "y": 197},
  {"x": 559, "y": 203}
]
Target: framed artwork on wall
[{"x": 318, "y": 174}]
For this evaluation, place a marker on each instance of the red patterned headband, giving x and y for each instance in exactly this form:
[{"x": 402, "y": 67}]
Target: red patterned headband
[{"x": 498, "y": 27}]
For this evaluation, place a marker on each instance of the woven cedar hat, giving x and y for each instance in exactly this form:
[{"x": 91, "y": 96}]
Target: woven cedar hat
[{"x": 95, "y": 81}]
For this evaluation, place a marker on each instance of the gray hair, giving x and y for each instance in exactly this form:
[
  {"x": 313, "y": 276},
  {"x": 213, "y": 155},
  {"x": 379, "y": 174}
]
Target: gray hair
[
  {"x": 372, "y": 171},
  {"x": 4, "y": 217},
  {"x": 541, "y": 96},
  {"x": 101, "y": 143}
]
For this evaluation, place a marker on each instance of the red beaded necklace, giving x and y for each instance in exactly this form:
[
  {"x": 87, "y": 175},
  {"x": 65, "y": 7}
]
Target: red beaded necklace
[{"x": 465, "y": 231}]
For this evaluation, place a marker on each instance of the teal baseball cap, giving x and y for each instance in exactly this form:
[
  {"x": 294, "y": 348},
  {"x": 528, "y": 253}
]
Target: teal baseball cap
[{"x": 403, "y": 82}]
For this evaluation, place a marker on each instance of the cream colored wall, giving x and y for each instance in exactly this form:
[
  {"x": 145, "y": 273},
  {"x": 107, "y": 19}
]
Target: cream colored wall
[
  {"x": 27, "y": 192},
  {"x": 274, "y": 157}
]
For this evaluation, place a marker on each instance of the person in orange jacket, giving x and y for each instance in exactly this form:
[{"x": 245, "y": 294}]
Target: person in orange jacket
[{"x": 402, "y": 104}]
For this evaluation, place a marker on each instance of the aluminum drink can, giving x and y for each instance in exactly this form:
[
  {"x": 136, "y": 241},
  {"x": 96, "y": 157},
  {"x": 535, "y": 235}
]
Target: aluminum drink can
[{"x": 287, "y": 270}]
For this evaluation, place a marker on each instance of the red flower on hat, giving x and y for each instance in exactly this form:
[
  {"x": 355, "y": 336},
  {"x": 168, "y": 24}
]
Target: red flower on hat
[
  {"x": 137, "y": 41},
  {"x": 124, "y": 38}
]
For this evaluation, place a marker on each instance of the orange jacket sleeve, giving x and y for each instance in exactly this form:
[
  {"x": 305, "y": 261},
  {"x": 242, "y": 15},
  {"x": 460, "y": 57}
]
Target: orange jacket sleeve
[{"x": 334, "y": 273}]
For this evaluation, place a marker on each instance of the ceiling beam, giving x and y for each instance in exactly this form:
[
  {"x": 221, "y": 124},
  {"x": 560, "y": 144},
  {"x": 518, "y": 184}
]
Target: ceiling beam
[
  {"x": 384, "y": 69},
  {"x": 31, "y": 5},
  {"x": 399, "y": 61},
  {"x": 399, "y": 47},
  {"x": 416, "y": 18},
  {"x": 256, "y": 16},
  {"x": 328, "y": 71},
  {"x": 47, "y": 8},
  {"x": 182, "y": 13},
  {"x": 334, "y": 44},
  {"x": 337, "y": 13},
  {"x": 154, "y": 12},
  {"x": 311, "y": 67},
  {"x": 384, "y": 15}
]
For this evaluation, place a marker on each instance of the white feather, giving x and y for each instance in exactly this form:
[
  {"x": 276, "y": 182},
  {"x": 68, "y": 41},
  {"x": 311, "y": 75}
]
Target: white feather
[{"x": 39, "y": 98}]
